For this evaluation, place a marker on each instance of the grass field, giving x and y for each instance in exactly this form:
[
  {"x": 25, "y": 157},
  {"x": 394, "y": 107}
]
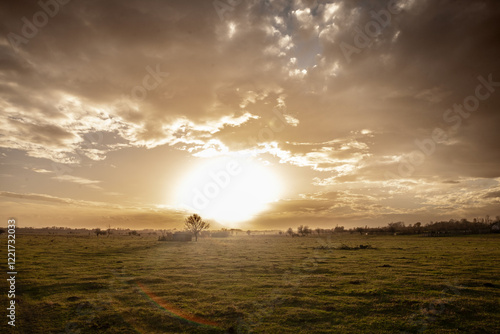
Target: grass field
[{"x": 260, "y": 284}]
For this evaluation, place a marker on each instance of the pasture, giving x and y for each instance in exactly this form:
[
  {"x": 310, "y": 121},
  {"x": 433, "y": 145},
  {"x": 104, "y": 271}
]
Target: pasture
[{"x": 260, "y": 284}]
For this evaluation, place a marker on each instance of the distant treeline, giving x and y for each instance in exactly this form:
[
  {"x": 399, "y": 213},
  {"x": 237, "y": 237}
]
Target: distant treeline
[
  {"x": 450, "y": 227},
  {"x": 439, "y": 228}
]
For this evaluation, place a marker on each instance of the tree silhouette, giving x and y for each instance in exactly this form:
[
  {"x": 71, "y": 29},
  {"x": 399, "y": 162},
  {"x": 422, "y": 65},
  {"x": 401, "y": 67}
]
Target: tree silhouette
[
  {"x": 195, "y": 225},
  {"x": 360, "y": 230},
  {"x": 304, "y": 230}
]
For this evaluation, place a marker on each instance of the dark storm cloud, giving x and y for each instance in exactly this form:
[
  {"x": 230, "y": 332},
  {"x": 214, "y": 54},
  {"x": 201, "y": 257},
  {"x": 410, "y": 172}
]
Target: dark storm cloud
[
  {"x": 493, "y": 194},
  {"x": 44, "y": 134},
  {"x": 423, "y": 62}
]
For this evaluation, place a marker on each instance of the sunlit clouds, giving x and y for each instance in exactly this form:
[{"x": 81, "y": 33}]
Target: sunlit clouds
[{"x": 328, "y": 107}]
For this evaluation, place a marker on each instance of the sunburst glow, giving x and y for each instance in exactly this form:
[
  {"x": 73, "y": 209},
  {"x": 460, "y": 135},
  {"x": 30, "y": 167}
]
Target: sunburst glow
[{"x": 229, "y": 190}]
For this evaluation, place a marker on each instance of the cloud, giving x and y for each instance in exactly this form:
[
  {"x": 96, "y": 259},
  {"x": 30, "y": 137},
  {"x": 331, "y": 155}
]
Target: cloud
[
  {"x": 493, "y": 194},
  {"x": 76, "y": 90},
  {"x": 44, "y": 210},
  {"x": 78, "y": 180},
  {"x": 35, "y": 197},
  {"x": 41, "y": 170},
  {"x": 270, "y": 79}
]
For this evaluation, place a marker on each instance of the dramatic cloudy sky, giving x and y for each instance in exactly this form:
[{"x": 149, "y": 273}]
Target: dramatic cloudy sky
[{"x": 259, "y": 114}]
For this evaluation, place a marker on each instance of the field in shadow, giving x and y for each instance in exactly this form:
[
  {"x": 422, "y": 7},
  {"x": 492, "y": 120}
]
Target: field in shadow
[{"x": 261, "y": 284}]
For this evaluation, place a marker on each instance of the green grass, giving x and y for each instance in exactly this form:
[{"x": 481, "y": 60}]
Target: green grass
[{"x": 268, "y": 284}]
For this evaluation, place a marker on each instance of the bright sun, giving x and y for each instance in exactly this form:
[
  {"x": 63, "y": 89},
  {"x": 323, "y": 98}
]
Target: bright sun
[{"x": 229, "y": 190}]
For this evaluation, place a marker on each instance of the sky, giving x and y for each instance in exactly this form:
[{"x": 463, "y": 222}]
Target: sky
[{"x": 255, "y": 114}]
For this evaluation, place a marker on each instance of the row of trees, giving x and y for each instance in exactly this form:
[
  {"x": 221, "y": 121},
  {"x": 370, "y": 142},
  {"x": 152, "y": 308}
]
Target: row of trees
[
  {"x": 99, "y": 232},
  {"x": 195, "y": 224},
  {"x": 301, "y": 231},
  {"x": 463, "y": 226},
  {"x": 305, "y": 230},
  {"x": 450, "y": 226}
]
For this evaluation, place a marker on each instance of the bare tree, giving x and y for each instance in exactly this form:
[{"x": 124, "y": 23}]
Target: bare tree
[
  {"x": 163, "y": 232},
  {"x": 417, "y": 226},
  {"x": 300, "y": 230},
  {"x": 290, "y": 231},
  {"x": 195, "y": 225}
]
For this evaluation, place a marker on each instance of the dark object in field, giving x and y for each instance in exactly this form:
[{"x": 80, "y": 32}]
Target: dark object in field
[
  {"x": 220, "y": 234},
  {"x": 489, "y": 285},
  {"x": 177, "y": 236},
  {"x": 385, "y": 266},
  {"x": 344, "y": 247},
  {"x": 73, "y": 298}
]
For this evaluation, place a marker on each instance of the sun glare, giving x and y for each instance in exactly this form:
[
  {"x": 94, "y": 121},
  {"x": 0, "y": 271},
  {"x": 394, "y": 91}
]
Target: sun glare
[{"x": 229, "y": 190}]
